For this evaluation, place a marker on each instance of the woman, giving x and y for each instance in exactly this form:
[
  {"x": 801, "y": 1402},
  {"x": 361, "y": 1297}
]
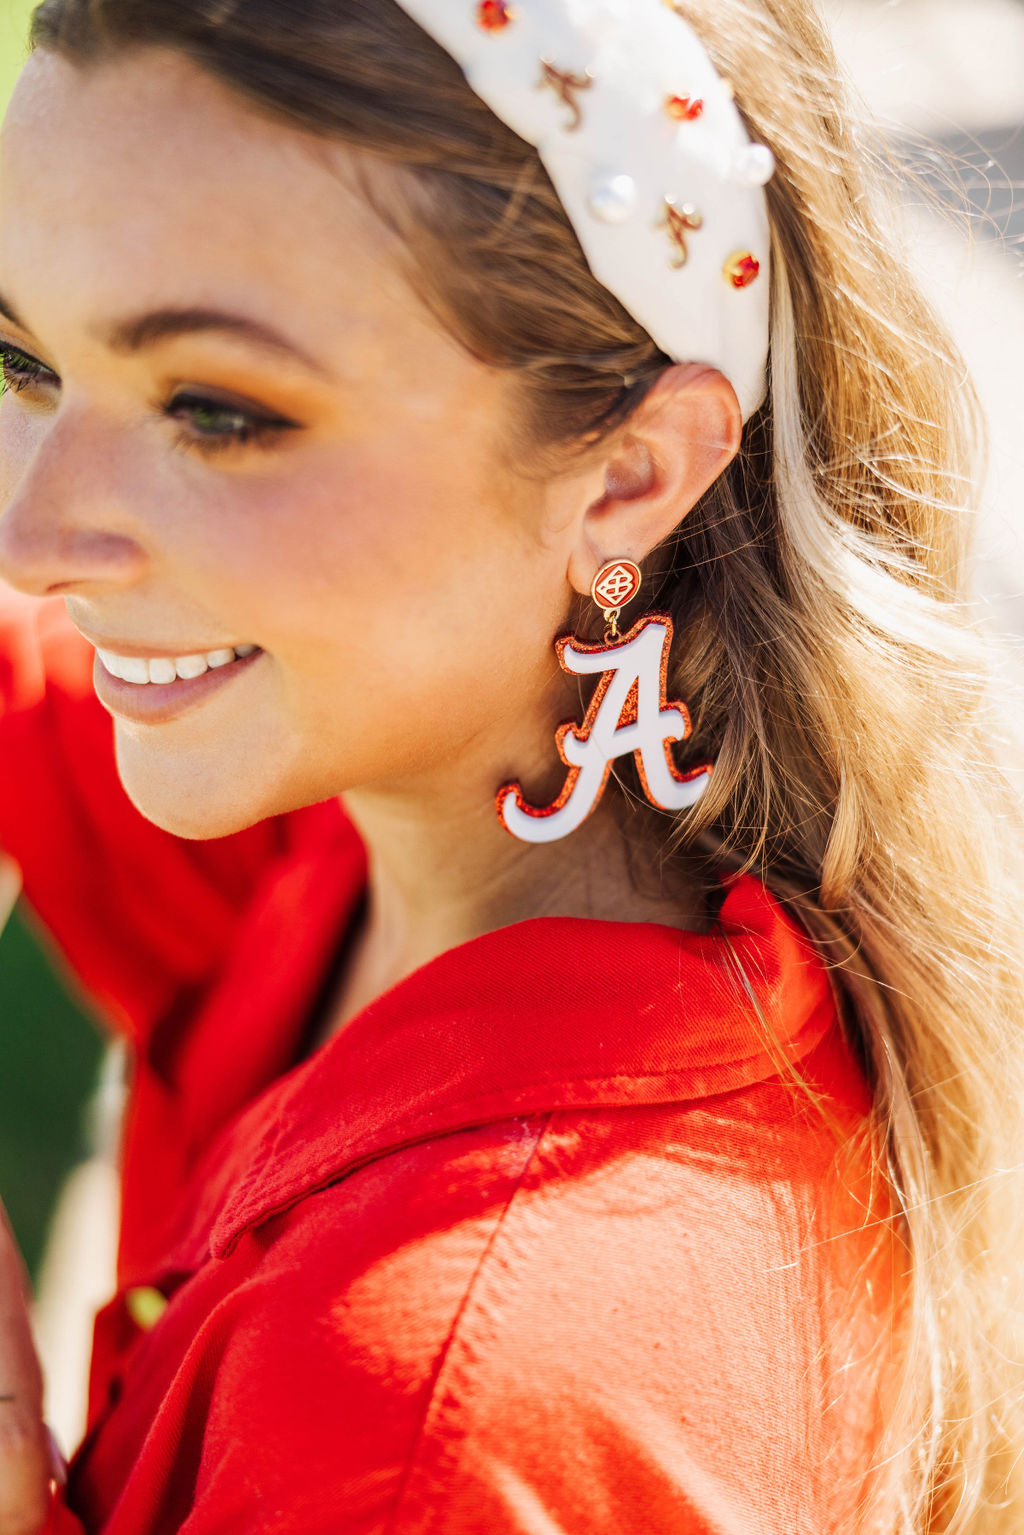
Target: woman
[{"x": 636, "y": 1158}]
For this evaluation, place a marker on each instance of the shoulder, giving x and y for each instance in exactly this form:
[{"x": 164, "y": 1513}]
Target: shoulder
[
  {"x": 585, "y": 1313},
  {"x": 681, "y": 1318}
]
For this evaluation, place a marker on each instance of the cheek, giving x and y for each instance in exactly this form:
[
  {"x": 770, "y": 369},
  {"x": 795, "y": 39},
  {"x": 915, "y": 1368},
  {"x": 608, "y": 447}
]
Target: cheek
[
  {"x": 20, "y": 436},
  {"x": 376, "y": 554},
  {"x": 360, "y": 529},
  {"x": 418, "y": 635},
  {"x": 405, "y": 614}
]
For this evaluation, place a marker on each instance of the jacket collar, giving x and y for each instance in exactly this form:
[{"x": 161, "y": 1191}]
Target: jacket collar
[{"x": 545, "y": 1014}]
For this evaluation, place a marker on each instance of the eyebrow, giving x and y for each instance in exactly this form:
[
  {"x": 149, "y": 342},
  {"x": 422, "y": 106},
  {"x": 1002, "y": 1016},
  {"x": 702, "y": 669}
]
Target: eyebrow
[{"x": 140, "y": 332}]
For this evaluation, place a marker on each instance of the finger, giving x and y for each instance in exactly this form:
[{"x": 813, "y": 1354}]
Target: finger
[
  {"x": 10, "y": 888},
  {"x": 20, "y": 1374},
  {"x": 24, "y": 1471},
  {"x": 24, "y": 1448}
]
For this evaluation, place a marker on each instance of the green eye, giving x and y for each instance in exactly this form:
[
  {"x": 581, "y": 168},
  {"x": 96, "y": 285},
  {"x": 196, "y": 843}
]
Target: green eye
[
  {"x": 210, "y": 425},
  {"x": 19, "y": 371},
  {"x": 211, "y": 419}
]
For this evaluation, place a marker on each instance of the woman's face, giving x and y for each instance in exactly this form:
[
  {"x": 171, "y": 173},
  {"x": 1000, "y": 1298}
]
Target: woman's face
[{"x": 319, "y": 472}]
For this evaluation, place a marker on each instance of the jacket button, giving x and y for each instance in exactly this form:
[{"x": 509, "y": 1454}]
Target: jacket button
[{"x": 145, "y": 1305}]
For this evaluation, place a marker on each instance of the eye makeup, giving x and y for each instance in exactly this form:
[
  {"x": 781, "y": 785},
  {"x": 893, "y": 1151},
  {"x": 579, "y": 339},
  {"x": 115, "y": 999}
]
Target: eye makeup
[{"x": 205, "y": 423}]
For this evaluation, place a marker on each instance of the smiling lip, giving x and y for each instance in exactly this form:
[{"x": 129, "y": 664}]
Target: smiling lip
[{"x": 152, "y": 703}]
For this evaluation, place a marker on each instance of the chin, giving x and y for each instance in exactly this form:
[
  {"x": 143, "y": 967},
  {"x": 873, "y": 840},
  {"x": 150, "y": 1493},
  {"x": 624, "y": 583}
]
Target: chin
[{"x": 190, "y": 795}]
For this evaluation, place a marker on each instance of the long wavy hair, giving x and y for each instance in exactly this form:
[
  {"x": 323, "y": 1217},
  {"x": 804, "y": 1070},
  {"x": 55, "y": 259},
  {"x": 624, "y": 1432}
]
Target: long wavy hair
[{"x": 826, "y": 641}]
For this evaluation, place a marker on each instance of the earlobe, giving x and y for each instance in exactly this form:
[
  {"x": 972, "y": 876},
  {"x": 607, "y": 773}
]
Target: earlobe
[{"x": 678, "y": 441}]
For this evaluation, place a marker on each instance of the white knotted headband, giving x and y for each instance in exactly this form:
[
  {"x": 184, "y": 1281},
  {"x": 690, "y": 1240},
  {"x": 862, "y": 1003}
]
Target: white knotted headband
[{"x": 648, "y": 154}]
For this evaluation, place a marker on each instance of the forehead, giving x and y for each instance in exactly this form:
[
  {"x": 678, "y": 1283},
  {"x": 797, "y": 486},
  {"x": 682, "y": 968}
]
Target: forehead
[{"x": 143, "y": 179}]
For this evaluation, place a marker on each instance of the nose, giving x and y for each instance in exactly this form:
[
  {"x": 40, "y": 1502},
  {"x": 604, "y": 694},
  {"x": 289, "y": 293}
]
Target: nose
[{"x": 65, "y": 517}]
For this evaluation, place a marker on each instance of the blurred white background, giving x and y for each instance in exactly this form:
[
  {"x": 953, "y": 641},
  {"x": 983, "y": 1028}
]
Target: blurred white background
[{"x": 945, "y": 80}]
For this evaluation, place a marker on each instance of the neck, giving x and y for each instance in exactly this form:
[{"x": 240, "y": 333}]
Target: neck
[{"x": 444, "y": 871}]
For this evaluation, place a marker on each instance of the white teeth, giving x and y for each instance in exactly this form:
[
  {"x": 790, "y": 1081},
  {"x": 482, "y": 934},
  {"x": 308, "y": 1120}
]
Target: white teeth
[
  {"x": 164, "y": 669},
  {"x": 187, "y": 666},
  {"x": 111, "y": 662},
  {"x": 133, "y": 669},
  {"x": 161, "y": 669}
]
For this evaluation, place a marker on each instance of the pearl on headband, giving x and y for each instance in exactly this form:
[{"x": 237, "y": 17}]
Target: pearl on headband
[{"x": 648, "y": 154}]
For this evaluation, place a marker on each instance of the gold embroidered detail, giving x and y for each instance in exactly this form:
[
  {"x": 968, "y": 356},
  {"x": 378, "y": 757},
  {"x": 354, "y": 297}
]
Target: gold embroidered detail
[
  {"x": 679, "y": 219},
  {"x": 564, "y": 85}
]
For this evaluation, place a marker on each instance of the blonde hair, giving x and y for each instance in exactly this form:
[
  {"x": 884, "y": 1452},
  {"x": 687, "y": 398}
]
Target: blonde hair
[{"x": 825, "y": 639}]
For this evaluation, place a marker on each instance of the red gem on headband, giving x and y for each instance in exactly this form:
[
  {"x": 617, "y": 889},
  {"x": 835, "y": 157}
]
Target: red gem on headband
[
  {"x": 741, "y": 269},
  {"x": 492, "y": 15},
  {"x": 685, "y": 108}
]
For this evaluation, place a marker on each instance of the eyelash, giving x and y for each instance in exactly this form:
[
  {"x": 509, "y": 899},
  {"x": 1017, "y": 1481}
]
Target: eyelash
[{"x": 20, "y": 371}]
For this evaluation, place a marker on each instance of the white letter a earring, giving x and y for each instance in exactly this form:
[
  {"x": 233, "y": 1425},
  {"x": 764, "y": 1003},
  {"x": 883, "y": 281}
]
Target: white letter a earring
[{"x": 628, "y": 713}]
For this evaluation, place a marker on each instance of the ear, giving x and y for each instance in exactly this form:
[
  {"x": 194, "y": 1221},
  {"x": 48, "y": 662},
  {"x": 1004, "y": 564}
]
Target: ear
[{"x": 673, "y": 447}]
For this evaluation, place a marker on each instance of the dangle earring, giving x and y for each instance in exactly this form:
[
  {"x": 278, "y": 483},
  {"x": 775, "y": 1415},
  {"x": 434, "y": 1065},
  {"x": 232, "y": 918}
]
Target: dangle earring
[{"x": 628, "y": 713}]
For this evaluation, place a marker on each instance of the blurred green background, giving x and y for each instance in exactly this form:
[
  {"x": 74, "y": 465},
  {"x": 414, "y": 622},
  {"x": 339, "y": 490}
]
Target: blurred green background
[
  {"x": 14, "y": 15},
  {"x": 49, "y": 1052}
]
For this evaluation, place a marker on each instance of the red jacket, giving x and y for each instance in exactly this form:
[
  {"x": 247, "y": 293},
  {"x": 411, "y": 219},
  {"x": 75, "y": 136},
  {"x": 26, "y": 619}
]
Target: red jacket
[{"x": 541, "y": 1241}]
